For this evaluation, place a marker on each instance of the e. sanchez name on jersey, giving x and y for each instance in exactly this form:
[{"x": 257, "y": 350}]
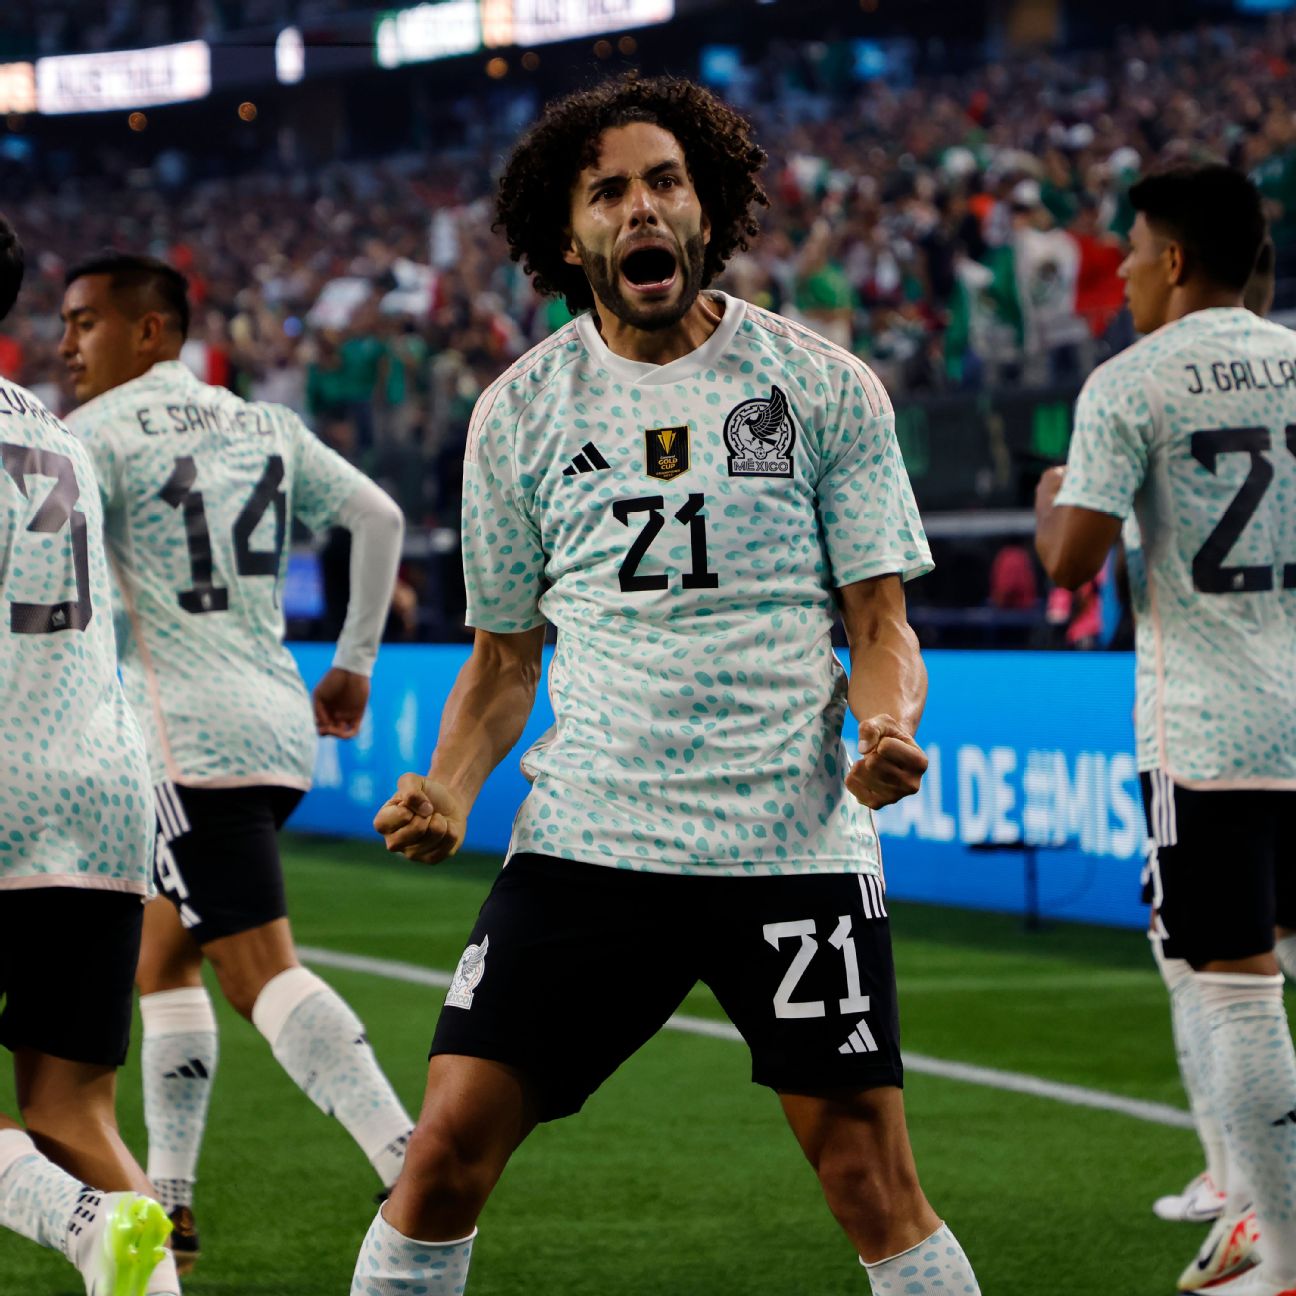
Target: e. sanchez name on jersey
[{"x": 198, "y": 487}]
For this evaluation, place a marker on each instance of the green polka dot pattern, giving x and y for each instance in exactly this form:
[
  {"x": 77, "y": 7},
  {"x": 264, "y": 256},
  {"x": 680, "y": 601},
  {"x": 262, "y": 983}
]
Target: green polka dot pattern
[
  {"x": 697, "y": 699},
  {"x": 1191, "y": 434},
  {"x": 197, "y": 485},
  {"x": 75, "y": 804}
]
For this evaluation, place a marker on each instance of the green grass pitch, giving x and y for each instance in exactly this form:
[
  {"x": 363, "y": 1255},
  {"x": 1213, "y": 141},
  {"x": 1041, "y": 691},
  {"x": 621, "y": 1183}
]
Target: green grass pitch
[{"x": 679, "y": 1178}]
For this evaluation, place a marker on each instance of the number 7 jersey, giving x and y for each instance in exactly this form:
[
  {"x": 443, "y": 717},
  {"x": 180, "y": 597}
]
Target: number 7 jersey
[
  {"x": 198, "y": 489},
  {"x": 684, "y": 527},
  {"x": 1192, "y": 432}
]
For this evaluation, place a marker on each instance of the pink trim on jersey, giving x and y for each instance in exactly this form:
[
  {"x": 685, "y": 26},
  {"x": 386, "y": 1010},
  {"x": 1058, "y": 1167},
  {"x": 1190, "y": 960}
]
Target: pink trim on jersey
[
  {"x": 809, "y": 340},
  {"x": 150, "y": 675},
  {"x": 75, "y": 882},
  {"x": 272, "y": 779},
  {"x": 1234, "y": 784},
  {"x": 518, "y": 369},
  {"x": 1158, "y": 704}
]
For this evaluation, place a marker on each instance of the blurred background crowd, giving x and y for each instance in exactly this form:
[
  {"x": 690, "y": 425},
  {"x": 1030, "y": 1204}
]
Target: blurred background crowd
[{"x": 955, "y": 220}]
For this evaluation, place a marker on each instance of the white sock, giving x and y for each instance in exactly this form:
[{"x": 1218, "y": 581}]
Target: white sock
[
  {"x": 321, "y": 1043},
  {"x": 1185, "y": 1020},
  {"x": 1285, "y": 950},
  {"x": 178, "y": 1058},
  {"x": 164, "y": 1281},
  {"x": 936, "y": 1267},
  {"x": 43, "y": 1202},
  {"x": 1254, "y": 1083},
  {"x": 390, "y": 1264},
  {"x": 39, "y": 1199}
]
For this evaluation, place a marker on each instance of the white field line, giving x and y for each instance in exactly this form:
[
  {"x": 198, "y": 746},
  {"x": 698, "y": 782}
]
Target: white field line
[{"x": 989, "y": 1077}]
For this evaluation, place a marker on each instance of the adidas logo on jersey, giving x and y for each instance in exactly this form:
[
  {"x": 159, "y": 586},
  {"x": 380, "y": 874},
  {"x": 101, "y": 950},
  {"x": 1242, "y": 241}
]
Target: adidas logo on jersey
[
  {"x": 589, "y": 460},
  {"x": 861, "y": 1040},
  {"x": 191, "y": 1070}
]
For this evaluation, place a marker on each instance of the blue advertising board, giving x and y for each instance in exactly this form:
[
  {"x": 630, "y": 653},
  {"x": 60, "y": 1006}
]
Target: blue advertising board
[{"x": 1025, "y": 748}]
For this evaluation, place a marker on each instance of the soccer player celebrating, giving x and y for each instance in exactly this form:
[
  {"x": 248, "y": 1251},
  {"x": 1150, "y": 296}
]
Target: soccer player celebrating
[
  {"x": 688, "y": 488},
  {"x": 198, "y": 488},
  {"x": 1192, "y": 431},
  {"x": 1205, "y": 1196},
  {"x": 77, "y": 815}
]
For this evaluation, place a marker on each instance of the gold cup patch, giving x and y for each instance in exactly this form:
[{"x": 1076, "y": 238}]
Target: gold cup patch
[{"x": 666, "y": 452}]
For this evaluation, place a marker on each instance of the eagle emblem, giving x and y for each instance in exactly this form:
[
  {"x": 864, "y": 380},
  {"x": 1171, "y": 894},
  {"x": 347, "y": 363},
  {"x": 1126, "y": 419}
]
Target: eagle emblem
[
  {"x": 467, "y": 975},
  {"x": 760, "y": 435}
]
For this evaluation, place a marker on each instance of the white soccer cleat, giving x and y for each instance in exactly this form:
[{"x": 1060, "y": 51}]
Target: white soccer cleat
[
  {"x": 125, "y": 1244},
  {"x": 1254, "y": 1282},
  {"x": 1201, "y": 1202},
  {"x": 1229, "y": 1250}
]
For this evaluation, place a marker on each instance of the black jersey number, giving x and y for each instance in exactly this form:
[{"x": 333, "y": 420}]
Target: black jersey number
[
  {"x": 58, "y": 510},
  {"x": 699, "y": 576},
  {"x": 1210, "y": 575},
  {"x": 204, "y": 595}
]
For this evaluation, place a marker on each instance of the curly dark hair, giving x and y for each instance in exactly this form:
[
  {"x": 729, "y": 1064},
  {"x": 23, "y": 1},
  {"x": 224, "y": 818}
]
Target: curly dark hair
[{"x": 534, "y": 204}]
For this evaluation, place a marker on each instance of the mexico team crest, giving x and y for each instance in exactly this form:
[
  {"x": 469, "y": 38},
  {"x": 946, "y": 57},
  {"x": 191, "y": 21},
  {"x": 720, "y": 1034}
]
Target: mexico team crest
[
  {"x": 759, "y": 435},
  {"x": 467, "y": 975},
  {"x": 666, "y": 452}
]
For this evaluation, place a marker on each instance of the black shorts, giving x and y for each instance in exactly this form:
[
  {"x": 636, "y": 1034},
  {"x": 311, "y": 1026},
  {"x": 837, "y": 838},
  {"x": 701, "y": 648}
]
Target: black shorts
[
  {"x": 67, "y": 971},
  {"x": 217, "y": 856},
  {"x": 572, "y": 967},
  {"x": 1221, "y": 868}
]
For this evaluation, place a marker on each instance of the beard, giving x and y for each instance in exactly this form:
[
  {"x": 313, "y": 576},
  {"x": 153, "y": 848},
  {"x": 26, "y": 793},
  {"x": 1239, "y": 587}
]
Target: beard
[{"x": 606, "y": 286}]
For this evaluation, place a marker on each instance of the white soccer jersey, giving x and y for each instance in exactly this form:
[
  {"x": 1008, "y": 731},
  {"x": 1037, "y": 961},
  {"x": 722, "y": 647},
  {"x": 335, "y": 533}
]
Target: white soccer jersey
[
  {"x": 198, "y": 487},
  {"x": 75, "y": 804},
  {"x": 684, "y": 527},
  {"x": 1194, "y": 428}
]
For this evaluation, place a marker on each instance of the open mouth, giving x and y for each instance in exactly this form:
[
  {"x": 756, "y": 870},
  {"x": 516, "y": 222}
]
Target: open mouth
[{"x": 649, "y": 269}]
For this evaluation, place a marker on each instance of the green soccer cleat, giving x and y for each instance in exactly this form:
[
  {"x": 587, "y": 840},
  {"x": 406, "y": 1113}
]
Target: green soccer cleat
[{"x": 129, "y": 1247}]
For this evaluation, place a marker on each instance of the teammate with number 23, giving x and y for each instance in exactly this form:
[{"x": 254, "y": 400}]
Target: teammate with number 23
[
  {"x": 689, "y": 489},
  {"x": 198, "y": 489}
]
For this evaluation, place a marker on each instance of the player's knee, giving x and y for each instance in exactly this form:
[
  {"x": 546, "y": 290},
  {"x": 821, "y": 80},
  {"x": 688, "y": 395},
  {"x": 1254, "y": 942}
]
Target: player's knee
[{"x": 447, "y": 1168}]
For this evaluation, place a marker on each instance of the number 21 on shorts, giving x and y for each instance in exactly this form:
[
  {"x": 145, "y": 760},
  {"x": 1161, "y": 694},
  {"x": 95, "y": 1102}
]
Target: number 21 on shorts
[{"x": 841, "y": 939}]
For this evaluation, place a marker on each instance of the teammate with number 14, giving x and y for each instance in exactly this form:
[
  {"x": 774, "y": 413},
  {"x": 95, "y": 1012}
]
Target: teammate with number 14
[{"x": 199, "y": 487}]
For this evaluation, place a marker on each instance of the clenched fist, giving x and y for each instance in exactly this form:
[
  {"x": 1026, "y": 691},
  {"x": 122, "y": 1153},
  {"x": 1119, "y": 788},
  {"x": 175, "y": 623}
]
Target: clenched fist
[
  {"x": 424, "y": 821},
  {"x": 891, "y": 763}
]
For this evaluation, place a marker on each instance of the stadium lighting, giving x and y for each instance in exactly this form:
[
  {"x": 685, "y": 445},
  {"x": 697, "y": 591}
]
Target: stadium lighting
[
  {"x": 290, "y": 56},
  {"x": 539, "y": 22},
  {"x": 141, "y": 78},
  {"x": 427, "y": 32},
  {"x": 17, "y": 88}
]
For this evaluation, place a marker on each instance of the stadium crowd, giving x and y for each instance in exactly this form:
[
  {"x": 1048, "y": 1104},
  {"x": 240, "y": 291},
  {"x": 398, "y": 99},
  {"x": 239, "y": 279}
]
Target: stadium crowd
[{"x": 956, "y": 231}]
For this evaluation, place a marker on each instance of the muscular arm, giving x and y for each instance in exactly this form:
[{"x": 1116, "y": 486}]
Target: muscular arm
[
  {"x": 887, "y": 691},
  {"x": 887, "y": 675},
  {"x": 483, "y": 718},
  {"x": 487, "y": 709},
  {"x": 1072, "y": 542}
]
